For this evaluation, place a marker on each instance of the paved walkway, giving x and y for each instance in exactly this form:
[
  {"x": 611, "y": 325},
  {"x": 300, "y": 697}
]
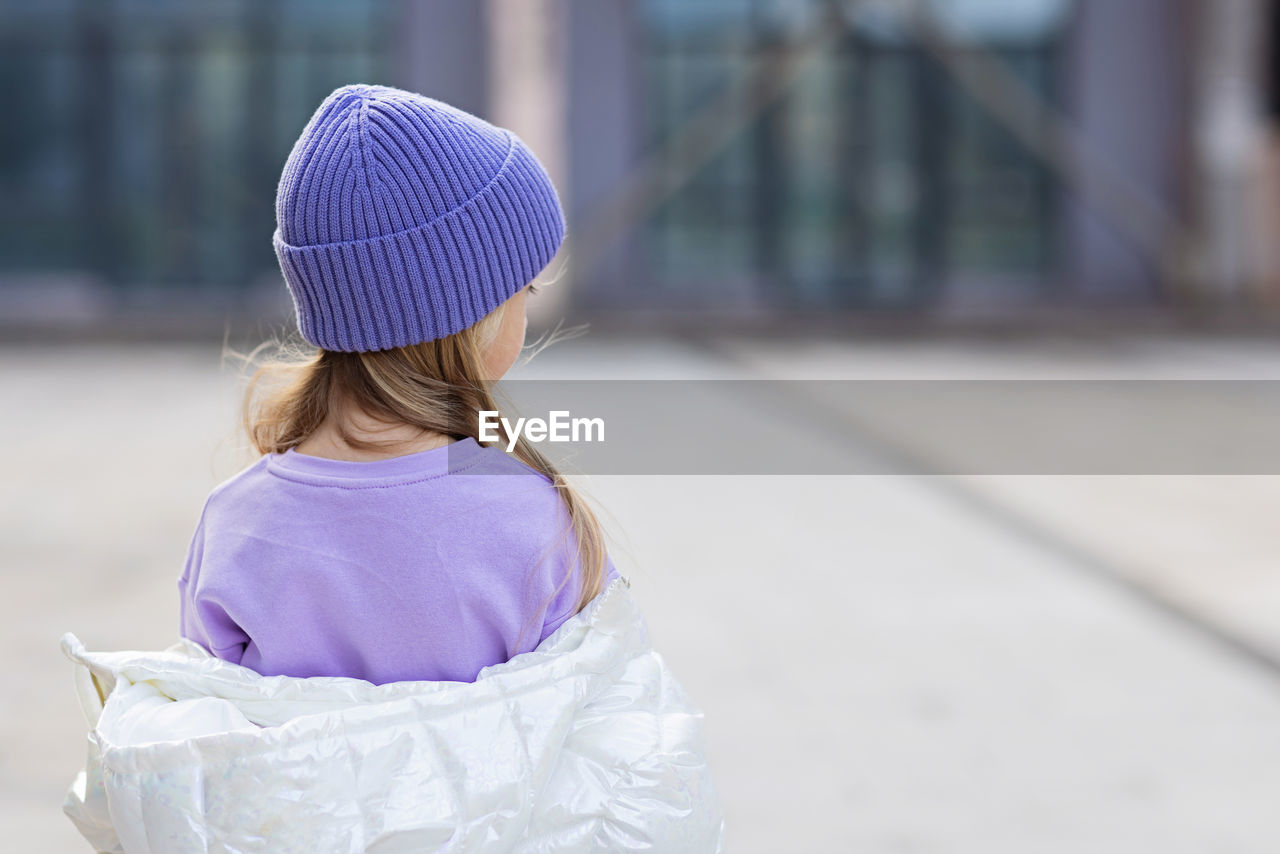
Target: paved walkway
[{"x": 887, "y": 664}]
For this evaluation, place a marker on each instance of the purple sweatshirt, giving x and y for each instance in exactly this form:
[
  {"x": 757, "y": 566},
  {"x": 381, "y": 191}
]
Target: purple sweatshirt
[{"x": 424, "y": 566}]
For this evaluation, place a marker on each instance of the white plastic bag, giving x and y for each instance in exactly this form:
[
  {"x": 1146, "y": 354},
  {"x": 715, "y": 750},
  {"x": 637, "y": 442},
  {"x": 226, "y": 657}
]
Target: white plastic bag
[{"x": 587, "y": 743}]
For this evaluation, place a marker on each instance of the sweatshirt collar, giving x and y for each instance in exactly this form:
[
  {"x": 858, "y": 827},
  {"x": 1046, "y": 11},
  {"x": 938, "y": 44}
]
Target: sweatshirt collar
[{"x": 433, "y": 462}]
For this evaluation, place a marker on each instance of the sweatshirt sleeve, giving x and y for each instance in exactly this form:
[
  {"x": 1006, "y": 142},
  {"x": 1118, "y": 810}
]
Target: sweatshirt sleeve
[
  {"x": 202, "y": 616},
  {"x": 565, "y": 604}
]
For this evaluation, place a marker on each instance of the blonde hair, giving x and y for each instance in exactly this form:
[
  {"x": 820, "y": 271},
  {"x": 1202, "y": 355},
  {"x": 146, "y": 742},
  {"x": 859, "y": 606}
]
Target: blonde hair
[{"x": 437, "y": 386}]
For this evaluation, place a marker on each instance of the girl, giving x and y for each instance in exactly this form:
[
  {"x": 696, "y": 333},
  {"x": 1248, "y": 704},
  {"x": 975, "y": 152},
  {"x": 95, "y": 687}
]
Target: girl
[{"x": 376, "y": 537}]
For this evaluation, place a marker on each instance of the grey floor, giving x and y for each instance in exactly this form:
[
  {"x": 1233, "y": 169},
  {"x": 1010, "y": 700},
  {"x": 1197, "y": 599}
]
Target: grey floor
[{"x": 894, "y": 663}]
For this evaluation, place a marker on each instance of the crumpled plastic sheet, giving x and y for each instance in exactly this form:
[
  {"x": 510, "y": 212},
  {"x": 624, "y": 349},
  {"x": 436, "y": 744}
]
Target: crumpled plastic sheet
[{"x": 587, "y": 743}]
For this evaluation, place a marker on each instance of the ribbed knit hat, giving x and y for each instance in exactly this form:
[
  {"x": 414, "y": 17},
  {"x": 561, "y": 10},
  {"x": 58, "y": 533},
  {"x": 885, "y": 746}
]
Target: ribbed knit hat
[{"x": 401, "y": 219}]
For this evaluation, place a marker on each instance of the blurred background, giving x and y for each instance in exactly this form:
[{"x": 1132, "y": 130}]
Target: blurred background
[
  {"x": 773, "y": 159},
  {"x": 785, "y": 189}
]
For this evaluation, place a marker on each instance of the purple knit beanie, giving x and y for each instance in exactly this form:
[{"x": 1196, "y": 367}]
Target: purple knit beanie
[{"x": 401, "y": 219}]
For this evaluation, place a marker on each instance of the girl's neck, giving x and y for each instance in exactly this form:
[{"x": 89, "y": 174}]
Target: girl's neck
[{"x": 395, "y": 440}]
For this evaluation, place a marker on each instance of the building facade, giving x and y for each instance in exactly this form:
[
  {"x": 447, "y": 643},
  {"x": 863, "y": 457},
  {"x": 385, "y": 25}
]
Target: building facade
[{"x": 804, "y": 157}]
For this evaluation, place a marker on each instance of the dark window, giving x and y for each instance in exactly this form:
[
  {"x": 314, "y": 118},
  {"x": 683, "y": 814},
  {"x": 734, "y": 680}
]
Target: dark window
[
  {"x": 152, "y": 132},
  {"x": 870, "y": 180}
]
